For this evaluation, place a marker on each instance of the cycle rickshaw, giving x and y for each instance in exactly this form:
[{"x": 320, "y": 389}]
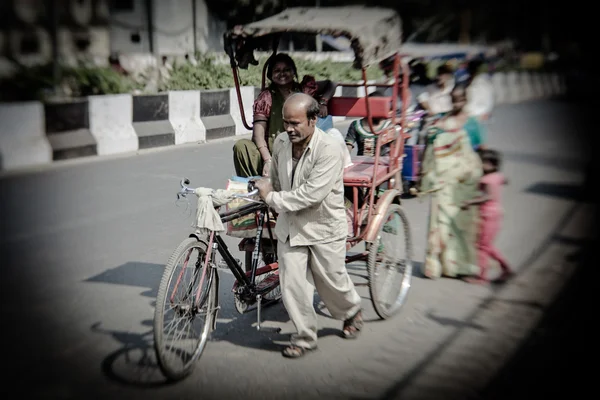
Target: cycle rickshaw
[{"x": 378, "y": 218}]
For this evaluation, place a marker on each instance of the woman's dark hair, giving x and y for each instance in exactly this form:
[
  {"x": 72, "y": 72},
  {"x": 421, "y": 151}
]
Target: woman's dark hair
[
  {"x": 461, "y": 86},
  {"x": 444, "y": 69},
  {"x": 281, "y": 58},
  {"x": 474, "y": 65},
  {"x": 491, "y": 156}
]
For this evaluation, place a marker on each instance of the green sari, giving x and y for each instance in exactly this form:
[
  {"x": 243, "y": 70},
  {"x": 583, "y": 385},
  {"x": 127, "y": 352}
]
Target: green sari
[
  {"x": 246, "y": 156},
  {"x": 450, "y": 172}
]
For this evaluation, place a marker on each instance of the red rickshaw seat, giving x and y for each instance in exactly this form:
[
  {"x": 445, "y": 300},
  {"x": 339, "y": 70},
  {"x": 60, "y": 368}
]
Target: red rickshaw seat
[
  {"x": 381, "y": 107},
  {"x": 383, "y": 160},
  {"x": 363, "y": 173}
]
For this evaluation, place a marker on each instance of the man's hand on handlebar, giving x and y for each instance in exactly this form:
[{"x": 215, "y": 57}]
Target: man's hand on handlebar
[{"x": 264, "y": 187}]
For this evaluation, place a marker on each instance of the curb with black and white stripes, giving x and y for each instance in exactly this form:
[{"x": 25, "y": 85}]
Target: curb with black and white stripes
[{"x": 34, "y": 134}]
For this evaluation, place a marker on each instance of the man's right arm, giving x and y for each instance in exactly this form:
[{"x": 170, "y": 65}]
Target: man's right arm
[{"x": 320, "y": 182}]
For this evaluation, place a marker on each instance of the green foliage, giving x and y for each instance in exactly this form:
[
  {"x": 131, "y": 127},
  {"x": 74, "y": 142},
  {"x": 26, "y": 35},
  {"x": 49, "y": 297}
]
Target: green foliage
[
  {"x": 210, "y": 75},
  {"x": 36, "y": 83},
  {"x": 93, "y": 80},
  {"x": 205, "y": 75},
  {"x": 27, "y": 84}
]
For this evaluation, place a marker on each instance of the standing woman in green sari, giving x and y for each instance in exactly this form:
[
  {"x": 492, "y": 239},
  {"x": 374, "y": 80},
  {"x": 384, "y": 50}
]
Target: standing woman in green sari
[
  {"x": 253, "y": 157},
  {"x": 450, "y": 172}
]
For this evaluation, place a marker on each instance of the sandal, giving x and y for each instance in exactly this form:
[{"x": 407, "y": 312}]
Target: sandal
[
  {"x": 505, "y": 277},
  {"x": 475, "y": 280},
  {"x": 352, "y": 326},
  {"x": 293, "y": 351}
]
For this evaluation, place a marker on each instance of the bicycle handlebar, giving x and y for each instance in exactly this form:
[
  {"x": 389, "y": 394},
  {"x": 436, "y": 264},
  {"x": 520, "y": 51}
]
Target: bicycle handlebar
[{"x": 185, "y": 190}]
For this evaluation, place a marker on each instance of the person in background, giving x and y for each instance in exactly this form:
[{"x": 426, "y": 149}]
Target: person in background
[
  {"x": 419, "y": 81},
  {"x": 387, "y": 67},
  {"x": 436, "y": 98},
  {"x": 473, "y": 127},
  {"x": 359, "y": 133},
  {"x": 480, "y": 91},
  {"x": 490, "y": 217},
  {"x": 253, "y": 157},
  {"x": 450, "y": 172}
]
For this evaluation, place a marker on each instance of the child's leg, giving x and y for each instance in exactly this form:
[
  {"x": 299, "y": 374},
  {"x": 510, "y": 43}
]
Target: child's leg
[
  {"x": 487, "y": 229},
  {"x": 493, "y": 227},
  {"x": 496, "y": 255}
]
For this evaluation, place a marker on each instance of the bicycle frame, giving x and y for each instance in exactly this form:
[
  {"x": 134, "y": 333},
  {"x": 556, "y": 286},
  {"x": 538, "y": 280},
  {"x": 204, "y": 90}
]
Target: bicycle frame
[{"x": 223, "y": 250}]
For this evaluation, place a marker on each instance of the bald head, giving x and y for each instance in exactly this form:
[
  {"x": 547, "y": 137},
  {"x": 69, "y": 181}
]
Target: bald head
[
  {"x": 300, "y": 117},
  {"x": 304, "y": 102}
]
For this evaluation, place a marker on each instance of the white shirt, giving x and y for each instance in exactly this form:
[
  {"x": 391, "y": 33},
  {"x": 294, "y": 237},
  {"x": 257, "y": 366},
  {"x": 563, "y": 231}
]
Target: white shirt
[
  {"x": 480, "y": 96},
  {"x": 335, "y": 133},
  {"x": 439, "y": 100}
]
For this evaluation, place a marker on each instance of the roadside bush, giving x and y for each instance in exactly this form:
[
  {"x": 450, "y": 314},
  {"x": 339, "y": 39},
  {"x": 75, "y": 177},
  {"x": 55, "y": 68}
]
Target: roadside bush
[
  {"x": 35, "y": 83},
  {"x": 210, "y": 75}
]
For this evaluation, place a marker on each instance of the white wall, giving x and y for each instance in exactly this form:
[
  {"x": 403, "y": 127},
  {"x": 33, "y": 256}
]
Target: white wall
[
  {"x": 173, "y": 27},
  {"x": 124, "y": 23},
  {"x": 209, "y": 29}
]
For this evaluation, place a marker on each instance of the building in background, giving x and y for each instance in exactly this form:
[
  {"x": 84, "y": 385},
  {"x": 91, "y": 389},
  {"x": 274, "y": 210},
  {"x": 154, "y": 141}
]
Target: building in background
[
  {"x": 32, "y": 30},
  {"x": 164, "y": 27},
  {"x": 38, "y": 31}
]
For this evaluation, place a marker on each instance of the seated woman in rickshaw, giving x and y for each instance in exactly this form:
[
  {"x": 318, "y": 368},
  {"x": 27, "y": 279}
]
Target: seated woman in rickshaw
[
  {"x": 253, "y": 157},
  {"x": 359, "y": 133}
]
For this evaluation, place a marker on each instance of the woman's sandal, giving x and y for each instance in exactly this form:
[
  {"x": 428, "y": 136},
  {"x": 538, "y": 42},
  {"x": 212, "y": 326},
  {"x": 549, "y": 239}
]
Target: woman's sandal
[
  {"x": 293, "y": 351},
  {"x": 475, "y": 280},
  {"x": 505, "y": 277},
  {"x": 352, "y": 326}
]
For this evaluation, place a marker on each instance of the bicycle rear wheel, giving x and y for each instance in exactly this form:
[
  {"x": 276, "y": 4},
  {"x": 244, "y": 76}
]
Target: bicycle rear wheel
[
  {"x": 185, "y": 307},
  {"x": 390, "y": 263}
]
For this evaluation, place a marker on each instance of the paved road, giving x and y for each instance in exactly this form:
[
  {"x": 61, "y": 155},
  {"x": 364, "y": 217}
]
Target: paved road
[{"x": 83, "y": 249}]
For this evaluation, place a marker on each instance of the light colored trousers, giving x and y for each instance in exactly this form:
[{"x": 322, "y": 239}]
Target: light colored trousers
[{"x": 304, "y": 268}]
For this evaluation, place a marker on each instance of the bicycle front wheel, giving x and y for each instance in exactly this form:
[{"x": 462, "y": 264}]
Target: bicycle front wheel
[
  {"x": 390, "y": 263},
  {"x": 185, "y": 307}
]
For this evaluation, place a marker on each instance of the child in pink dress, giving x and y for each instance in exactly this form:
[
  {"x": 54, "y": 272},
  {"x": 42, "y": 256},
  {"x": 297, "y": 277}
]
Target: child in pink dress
[{"x": 490, "y": 216}]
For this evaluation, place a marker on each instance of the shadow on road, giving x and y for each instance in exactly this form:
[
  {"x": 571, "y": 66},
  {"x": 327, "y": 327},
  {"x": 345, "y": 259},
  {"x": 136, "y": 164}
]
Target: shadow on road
[
  {"x": 133, "y": 273},
  {"x": 564, "y": 163},
  {"x": 546, "y": 365},
  {"x": 396, "y": 390},
  {"x": 564, "y": 191},
  {"x": 134, "y": 364}
]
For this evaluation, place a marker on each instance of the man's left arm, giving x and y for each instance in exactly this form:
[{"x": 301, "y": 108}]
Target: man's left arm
[{"x": 320, "y": 182}]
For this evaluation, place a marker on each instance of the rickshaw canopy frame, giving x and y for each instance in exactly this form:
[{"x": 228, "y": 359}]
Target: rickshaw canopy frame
[{"x": 375, "y": 33}]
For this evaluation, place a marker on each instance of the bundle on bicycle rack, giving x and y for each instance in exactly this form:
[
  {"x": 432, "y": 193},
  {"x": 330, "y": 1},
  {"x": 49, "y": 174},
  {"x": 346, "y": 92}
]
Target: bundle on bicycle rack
[
  {"x": 245, "y": 226},
  {"x": 207, "y": 217}
]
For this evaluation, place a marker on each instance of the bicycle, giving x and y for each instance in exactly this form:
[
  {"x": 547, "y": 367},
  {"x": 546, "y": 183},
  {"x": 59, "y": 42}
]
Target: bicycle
[{"x": 259, "y": 286}]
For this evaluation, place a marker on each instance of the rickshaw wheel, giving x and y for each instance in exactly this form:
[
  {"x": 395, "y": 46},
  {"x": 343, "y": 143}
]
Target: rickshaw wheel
[{"x": 390, "y": 263}]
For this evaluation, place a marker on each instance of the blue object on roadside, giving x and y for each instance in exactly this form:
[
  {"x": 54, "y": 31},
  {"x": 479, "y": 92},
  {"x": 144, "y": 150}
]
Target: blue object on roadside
[
  {"x": 244, "y": 179},
  {"x": 412, "y": 162},
  {"x": 325, "y": 124}
]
